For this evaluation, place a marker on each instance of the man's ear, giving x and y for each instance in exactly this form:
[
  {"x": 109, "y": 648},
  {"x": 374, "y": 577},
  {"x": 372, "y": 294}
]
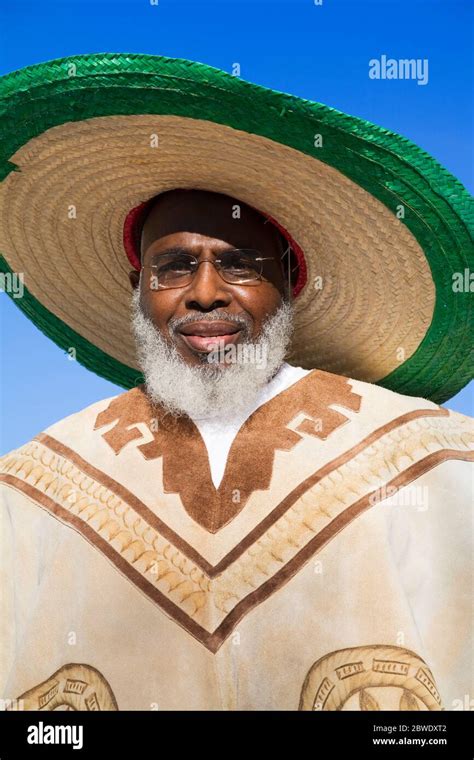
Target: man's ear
[{"x": 134, "y": 278}]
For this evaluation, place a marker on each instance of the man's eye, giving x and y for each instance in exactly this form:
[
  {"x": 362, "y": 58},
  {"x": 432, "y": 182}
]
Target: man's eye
[
  {"x": 177, "y": 265},
  {"x": 239, "y": 262}
]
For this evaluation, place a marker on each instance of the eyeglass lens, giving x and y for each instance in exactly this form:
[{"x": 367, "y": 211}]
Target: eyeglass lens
[{"x": 178, "y": 268}]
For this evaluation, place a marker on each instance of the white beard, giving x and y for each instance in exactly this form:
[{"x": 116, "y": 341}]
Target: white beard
[{"x": 210, "y": 389}]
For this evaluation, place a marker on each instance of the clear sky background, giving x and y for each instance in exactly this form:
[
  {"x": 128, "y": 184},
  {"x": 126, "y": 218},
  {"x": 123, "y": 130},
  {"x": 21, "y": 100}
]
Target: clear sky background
[{"x": 316, "y": 52}]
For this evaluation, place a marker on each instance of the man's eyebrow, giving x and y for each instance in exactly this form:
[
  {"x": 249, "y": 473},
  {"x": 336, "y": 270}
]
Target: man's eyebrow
[
  {"x": 186, "y": 249},
  {"x": 172, "y": 249}
]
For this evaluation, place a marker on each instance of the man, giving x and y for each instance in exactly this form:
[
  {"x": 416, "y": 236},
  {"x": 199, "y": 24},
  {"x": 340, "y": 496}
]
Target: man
[{"x": 235, "y": 532}]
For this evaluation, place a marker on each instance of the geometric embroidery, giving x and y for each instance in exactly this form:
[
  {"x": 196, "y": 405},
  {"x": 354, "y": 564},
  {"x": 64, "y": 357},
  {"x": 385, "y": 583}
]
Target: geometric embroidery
[
  {"x": 377, "y": 677},
  {"x": 72, "y": 687},
  {"x": 177, "y": 440},
  {"x": 209, "y": 600}
]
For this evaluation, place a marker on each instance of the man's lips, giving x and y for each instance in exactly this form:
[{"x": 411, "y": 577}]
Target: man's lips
[{"x": 208, "y": 336}]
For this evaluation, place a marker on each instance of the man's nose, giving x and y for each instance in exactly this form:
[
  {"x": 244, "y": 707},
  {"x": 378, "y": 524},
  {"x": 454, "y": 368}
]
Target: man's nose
[{"x": 207, "y": 286}]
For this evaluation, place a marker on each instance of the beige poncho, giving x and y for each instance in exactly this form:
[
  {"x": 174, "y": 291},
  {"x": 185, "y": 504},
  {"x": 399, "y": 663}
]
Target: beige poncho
[{"x": 331, "y": 569}]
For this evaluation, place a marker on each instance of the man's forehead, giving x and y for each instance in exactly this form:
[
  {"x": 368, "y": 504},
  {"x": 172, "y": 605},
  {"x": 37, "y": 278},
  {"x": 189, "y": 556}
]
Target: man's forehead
[{"x": 206, "y": 213}]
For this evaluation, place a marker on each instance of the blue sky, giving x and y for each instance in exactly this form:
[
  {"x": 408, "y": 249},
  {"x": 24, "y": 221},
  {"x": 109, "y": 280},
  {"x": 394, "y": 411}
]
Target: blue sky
[{"x": 316, "y": 52}]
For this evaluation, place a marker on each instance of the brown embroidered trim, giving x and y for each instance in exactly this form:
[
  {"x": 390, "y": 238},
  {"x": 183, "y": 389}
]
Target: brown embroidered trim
[
  {"x": 371, "y": 674},
  {"x": 120, "y": 563},
  {"x": 214, "y": 640},
  {"x": 74, "y": 686},
  {"x": 322, "y": 538},
  {"x": 168, "y": 533},
  {"x": 210, "y": 608},
  {"x": 186, "y": 469}
]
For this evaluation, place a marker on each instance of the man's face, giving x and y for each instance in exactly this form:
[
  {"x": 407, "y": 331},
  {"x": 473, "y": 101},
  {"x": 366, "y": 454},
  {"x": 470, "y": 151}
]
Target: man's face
[{"x": 203, "y": 224}]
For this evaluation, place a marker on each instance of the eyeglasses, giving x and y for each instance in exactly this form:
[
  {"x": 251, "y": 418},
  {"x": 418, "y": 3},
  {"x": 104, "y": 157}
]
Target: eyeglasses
[{"x": 236, "y": 266}]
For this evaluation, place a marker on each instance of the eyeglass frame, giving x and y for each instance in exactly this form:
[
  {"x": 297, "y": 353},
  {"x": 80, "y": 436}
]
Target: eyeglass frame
[{"x": 216, "y": 263}]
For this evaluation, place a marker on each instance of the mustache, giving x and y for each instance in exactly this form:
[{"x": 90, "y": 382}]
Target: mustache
[{"x": 244, "y": 321}]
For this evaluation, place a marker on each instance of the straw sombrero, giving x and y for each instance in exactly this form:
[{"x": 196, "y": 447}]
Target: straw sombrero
[{"x": 382, "y": 232}]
